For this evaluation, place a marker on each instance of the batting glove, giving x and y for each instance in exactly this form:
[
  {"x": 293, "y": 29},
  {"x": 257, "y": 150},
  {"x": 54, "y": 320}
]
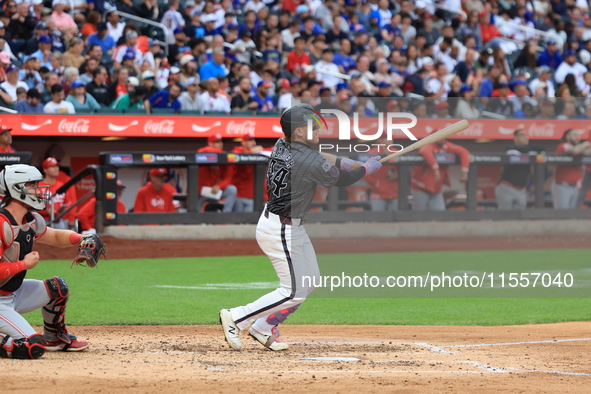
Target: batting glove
[
  {"x": 347, "y": 164},
  {"x": 372, "y": 165}
]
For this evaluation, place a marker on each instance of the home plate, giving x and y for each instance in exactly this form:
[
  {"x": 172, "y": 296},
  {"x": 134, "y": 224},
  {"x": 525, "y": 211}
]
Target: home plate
[{"x": 331, "y": 359}]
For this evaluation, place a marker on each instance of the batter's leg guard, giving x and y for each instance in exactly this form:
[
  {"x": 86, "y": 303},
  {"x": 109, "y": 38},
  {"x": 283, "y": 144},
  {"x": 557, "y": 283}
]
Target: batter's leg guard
[
  {"x": 54, "y": 312},
  {"x": 279, "y": 317},
  {"x": 23, "y": 348}
]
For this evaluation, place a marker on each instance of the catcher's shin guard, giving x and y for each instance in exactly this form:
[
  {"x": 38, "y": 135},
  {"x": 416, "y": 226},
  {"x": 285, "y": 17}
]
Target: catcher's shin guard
[
  {"x": 54, "y": 312},
  {"x": 23, "y": 348},
  {"x": 280, "y": 316}
]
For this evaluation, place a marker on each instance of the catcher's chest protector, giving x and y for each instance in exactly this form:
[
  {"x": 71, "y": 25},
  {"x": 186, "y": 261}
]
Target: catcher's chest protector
[{"x": 18, "y": 241}]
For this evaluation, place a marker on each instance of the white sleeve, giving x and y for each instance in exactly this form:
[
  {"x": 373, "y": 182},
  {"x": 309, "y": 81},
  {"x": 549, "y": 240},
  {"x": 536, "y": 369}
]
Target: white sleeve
[{"x": 560, "y": 73}]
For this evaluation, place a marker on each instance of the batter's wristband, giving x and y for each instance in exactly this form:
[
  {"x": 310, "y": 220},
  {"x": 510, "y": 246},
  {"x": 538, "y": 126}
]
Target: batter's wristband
[{"x": 75, "y": 238}]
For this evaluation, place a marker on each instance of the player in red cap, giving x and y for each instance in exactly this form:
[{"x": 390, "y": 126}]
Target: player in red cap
[
  {"x": 154, "y": 196},
  {"x": 60, "y": 202},
  {"x": 87, "y": 214},
  {"x": 243, "y": 175},
  {"x": 5, "y": 139},
  {"x": 217, "y": 177},
  {"x": 428, "y": 179}
]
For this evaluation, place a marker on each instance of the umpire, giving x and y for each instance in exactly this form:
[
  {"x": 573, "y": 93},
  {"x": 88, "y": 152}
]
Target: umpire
[{"x": 295, "y": 171}]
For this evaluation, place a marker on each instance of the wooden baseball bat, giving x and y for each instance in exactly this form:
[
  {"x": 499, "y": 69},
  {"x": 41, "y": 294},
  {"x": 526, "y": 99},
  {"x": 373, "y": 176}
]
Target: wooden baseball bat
[{"x": 437, "y": 136}]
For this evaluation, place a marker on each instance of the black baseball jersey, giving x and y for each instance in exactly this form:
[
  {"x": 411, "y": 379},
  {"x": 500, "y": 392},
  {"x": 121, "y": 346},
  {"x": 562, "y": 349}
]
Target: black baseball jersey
[{"x": 295, "y": 170}]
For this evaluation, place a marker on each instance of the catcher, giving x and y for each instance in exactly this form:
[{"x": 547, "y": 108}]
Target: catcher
[{"x": 20, "y": 226}]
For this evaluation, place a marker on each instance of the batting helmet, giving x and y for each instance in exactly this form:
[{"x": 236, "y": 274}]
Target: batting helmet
[{"x": 298, "y": 116}]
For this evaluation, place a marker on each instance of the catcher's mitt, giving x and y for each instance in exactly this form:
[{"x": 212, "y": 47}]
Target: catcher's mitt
[{"x": 90, "y": 250}]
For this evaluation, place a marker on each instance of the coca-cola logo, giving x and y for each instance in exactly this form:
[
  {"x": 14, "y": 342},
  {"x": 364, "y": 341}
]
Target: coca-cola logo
[
  {"x": 77, "y": 126},
  {"x": 476, "y": 129},
  {"x": 240, "y": 128},
  {"x": 163, "y": 127},
  {"x": 544, "y": 130}
]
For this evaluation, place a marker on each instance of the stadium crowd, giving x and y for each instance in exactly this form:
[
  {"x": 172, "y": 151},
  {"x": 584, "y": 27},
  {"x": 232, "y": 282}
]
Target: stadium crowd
[{"x": 260, "y": 55}]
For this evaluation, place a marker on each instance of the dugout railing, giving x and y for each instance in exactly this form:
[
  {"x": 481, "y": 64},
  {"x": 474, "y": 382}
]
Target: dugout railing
[{"x": 333, "y": 208}]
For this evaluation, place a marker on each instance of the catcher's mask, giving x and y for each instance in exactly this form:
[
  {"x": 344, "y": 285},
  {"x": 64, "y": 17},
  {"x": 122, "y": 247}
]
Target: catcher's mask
[
  {"x": 298, "y": 116},
  {"x": 17, "y": 181}
]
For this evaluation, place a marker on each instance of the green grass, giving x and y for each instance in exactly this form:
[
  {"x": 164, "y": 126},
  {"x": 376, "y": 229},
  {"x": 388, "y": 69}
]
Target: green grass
[{"x": 121, "y": 292}]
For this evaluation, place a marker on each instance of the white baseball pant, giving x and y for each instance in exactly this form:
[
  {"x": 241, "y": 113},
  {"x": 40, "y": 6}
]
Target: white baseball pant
[
  {"x": 291, "y": 252},
  {"x": 30, "y": 296}
]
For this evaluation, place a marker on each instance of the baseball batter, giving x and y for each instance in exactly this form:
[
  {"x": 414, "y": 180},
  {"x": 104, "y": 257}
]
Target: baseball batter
[
  {"x": 295, "y": 171},
  {"x": 19, "y": 228}
]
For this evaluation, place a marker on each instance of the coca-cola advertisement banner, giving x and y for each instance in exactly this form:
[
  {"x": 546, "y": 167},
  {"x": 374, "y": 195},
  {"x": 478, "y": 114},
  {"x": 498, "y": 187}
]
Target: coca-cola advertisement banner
[{"x": 263, "y": 127}]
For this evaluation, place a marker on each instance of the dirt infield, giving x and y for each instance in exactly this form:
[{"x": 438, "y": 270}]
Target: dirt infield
[
  {"x": 401, "y": 359},
  {"x": 387, "y": 359}
]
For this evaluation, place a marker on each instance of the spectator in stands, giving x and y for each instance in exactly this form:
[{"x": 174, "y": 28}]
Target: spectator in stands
[
  {"x": 550, "y": 57},
  {"x": 427, "y": 180},
  {"x": 32, "y": 46},
  {"x": 154, "y": 197},
  {"x": 97, "y": 88},
  {"x": 29, "y": 73},
  {"x": 262, "y": 97},
  {"x": 32, "y": 104},
  {"x": 50, "y": 79},
  {"x": 73, "y": 56},
  {"x": 437, "y": 85},
  {"x": 70, "y": 75},
  {"x": 114, "y": 25},
  {"x": 149, "y": 82},
  {"x": 211, "y": 100},
  {"x": 103, "y": 39},
  {"x": 87, "y": 213},
  {"x": 569, "y": 110},
  {"x": 6, "y": 139},
  {"x": 172, "y": 19},
  {"x": 567, "y": 177},
  {"x": 56, "y": 63},
  {"x": 571, "y": 66},
  {"x": 218, "y": 178},
  {"x": 213, "y": 68},
  {"x": 188, "y": 69},
  {"x": 12, "y": 82},
  {"x": 21, "y": 25},
  {"x": 165, "y": 99},
  {"x": 88, "y": 67},
  {"x": 59, "y": 202},
  {"x": 190, "y": 100},
  {"x": 511, "y": 191},
  {"x": 501, "y": 105},
  {"x": 488, "y": 31},
  {"x": 297, "y": 58},
  {"x": 245, "y": 47},
  {"x": 289, "y": 35},
  {"x": 64, "y": 22},
  {"x": 130, "y": 46},
  {"x": 132, "y": 100},
  {"x": 44, "y": 51},
  {"x": 57, "y": 105},
  {"x": 544, "y": 76},
  {"x": 118, "y": 87},
  {"x": 82, "y": 101},
  {"x": 383, "y": 184},
  {"x": 243, "y": 101},
  {"x": 466, "y": 107},
  {"x": 91, "y": 25}
]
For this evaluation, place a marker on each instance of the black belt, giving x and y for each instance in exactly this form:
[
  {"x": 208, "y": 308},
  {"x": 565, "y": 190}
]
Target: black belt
[{"x": 282, "y": 219}]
